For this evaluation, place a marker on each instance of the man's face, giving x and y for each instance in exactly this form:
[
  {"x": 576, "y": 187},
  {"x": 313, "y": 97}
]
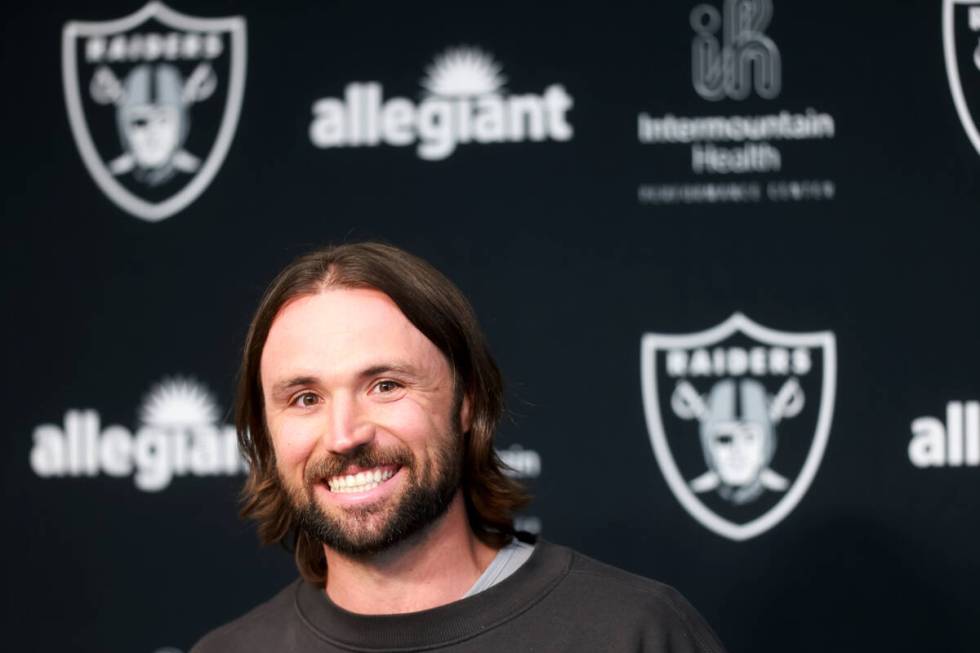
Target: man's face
[{"x": 363, "y": 418}]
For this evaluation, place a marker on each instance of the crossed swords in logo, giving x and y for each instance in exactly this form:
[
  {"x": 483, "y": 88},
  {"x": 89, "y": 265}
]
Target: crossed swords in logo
[
  {"x": 787, "y": 403},
  {"x": 106, "y": 88}
]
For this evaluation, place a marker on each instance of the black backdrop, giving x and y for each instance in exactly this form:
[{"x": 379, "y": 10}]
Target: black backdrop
[{"x": 568, "y": 264}]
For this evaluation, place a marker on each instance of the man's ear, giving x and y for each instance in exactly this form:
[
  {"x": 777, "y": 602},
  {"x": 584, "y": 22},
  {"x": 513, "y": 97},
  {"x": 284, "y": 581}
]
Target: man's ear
[{"x": 465, "y": 414}]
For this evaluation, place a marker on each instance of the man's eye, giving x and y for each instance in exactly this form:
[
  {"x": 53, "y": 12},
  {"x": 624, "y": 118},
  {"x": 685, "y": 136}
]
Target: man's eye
[
  {"x": 386, "y": 386},
  {"x": 306, "y": 400}
]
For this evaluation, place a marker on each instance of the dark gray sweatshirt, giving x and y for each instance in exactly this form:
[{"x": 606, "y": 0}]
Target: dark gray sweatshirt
[{"x": 559, "y": 600}]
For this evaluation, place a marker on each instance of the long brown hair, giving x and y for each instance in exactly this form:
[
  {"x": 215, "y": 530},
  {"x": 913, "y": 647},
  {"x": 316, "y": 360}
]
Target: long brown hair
[{"x": 439, "y": 310}]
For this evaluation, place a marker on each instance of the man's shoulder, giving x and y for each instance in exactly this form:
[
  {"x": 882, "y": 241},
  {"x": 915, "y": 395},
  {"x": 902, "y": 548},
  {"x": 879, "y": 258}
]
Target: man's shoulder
[
  {"x": 605, "y": 577},
  {"x": 616, "y": 596},
  {"x": 257, "y": 629}
]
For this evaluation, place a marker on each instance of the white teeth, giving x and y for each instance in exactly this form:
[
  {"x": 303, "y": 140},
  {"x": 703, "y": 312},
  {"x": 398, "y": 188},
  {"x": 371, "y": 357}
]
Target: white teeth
[
  {"x": 359, "y": 482},
  {"x": 355, "y": 488}
]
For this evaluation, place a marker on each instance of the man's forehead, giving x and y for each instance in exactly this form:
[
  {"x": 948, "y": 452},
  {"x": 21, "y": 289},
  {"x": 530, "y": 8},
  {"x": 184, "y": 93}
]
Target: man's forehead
[
  {"x": 345, "y": 330},
  {"x": 339, "y": 311}
]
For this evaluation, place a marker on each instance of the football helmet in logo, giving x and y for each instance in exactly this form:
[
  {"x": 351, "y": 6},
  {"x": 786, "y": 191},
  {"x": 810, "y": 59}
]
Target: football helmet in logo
[
  {"x": 152, "y": 117},
  {"x": 738, "y": 434}
]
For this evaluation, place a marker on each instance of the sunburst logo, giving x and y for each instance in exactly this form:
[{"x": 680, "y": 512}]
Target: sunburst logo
[
  {"x": 464, "y": 71},
  {"x": 178, "y": 402}
]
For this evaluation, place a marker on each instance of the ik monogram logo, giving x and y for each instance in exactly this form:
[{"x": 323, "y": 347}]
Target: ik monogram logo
[{"x": 731, "y": 54}]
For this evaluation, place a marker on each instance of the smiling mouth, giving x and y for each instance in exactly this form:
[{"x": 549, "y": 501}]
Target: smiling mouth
[{"x": 363, "y": 481}]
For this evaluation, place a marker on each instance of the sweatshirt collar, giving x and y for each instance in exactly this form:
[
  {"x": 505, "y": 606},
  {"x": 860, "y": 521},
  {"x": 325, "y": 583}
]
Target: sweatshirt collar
[{"x": 443, "y": 625}]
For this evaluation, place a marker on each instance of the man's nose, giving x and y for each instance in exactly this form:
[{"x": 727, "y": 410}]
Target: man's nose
[{"x": 349, "y": 426}]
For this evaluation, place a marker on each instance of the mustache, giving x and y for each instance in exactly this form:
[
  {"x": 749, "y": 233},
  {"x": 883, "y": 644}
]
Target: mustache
[{"x": 366, "y": 456}]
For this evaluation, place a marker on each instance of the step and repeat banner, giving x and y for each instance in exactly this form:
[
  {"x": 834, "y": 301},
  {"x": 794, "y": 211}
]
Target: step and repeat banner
[{"x": 726, "y": 254}]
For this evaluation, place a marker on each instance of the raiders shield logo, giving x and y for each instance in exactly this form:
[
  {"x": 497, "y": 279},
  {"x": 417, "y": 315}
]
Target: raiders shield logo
[
  {"x": 739, "y": 417},
  {"x": 961, "y": 44},
  {"x": 153, "y": 101}
]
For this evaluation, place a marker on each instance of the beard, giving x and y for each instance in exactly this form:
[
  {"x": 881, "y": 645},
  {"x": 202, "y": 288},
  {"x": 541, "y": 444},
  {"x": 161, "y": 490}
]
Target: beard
[{"x": 364, "y": 531}]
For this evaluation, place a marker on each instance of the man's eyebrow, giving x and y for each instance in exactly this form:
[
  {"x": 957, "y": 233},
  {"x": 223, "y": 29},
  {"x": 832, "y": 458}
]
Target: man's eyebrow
[
  {"x": 386, "y": 368},
  {"x": 284, "y": 386}
]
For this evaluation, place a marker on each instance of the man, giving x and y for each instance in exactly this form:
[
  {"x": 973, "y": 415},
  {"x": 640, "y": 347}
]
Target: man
[{"x": 367, "y": 405}]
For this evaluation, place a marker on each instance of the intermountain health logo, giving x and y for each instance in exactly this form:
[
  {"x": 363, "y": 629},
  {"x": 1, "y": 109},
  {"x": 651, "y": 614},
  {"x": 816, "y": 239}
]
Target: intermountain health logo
[
  {"x": 179, "y": 434},
  {"x": 961, "y": 46},
  {"x": 463, "y": 100},
  {"x": 153, "y": 101},
  {"x": 735, "y": 154},
  {"x": 739, "y": 417}
]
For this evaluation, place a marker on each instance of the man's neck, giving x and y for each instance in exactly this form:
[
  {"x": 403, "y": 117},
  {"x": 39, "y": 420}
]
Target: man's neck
[{"x": 435, "y": 567}]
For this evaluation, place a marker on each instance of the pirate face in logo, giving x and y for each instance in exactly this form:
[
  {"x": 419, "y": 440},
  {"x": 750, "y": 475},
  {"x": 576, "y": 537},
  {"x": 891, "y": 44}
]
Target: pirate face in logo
[
  {"x": 152, "y": 131},
  {"x": 738, "y": 434},
  {"x": 152, "y": 117}
]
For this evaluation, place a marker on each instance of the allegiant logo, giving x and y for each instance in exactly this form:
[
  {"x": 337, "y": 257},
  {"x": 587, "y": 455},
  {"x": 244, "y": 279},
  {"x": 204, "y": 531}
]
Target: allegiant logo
[
  {"x": 179, "y": 435},
  {"x": 464, "y": 101}
]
